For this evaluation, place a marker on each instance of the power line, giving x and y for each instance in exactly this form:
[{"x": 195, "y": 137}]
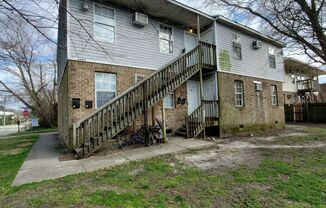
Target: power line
[
  {"x": 29, "y": 22},
  {"x": 83, "y": 27}
]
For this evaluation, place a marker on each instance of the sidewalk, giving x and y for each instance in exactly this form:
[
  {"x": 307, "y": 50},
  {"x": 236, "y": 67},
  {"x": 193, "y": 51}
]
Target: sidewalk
[{"x": 43, "y": 162}]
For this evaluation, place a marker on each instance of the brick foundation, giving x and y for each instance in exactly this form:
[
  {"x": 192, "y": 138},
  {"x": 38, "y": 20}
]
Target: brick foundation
[{"x": 257, "y": 112}]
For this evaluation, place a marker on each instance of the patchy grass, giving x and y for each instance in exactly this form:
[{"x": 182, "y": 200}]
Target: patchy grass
[
  {"x": 13, "y": 152},
  {"x": 35, "y": 131},
  {"x": 283, "y": 178}
]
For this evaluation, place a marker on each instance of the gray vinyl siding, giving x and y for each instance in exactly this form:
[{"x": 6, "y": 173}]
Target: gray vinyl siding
[
  {"x": 62, "y": 41},
  {"x": 134, "y": 46},
  {"x": 254, "y": 63}
]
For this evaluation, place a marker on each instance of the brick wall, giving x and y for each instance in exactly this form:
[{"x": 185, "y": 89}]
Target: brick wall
[
  {"x": 258, "y": 110},
  {"x": 63, "y": 109},
  {"x": 79, "y": 82}
]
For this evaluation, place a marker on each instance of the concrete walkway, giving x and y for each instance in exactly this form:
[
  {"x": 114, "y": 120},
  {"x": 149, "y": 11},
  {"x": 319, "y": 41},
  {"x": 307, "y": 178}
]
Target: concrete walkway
[{"x": 43, "y": 162}]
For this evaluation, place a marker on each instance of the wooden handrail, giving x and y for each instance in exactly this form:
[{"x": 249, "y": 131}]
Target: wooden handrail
[{"x": 205, "y": 115}]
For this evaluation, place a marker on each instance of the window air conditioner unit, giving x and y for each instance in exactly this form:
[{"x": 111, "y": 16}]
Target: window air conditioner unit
[
  {"x": 140, "y": 19},
  {"x": 258, "y": 86},
  {"x": 138, "y": 78},
  {"x": 257, "y": 44}
]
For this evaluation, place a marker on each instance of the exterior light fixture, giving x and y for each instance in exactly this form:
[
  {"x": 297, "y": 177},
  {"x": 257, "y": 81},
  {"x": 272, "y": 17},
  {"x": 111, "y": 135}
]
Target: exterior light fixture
[{"x": 85, "y": 6}]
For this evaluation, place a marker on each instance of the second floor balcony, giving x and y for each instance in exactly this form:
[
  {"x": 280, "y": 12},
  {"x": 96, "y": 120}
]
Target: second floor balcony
[{"x": 308, "y": 85}]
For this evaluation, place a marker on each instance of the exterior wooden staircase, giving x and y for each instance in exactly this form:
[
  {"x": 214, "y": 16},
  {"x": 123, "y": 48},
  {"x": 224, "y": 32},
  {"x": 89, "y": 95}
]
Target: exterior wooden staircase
[
  {"x": 206, "y": 115},
  {"x": 90, "y": 133}
]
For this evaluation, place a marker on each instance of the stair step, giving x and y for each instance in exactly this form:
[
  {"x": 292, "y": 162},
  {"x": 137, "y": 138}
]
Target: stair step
[{"x": 79, "y": 153}]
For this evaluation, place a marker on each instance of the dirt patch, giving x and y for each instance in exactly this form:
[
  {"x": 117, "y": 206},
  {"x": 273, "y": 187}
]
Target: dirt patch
[
  {"x": 25, "y": 144},
  {"x": 222, "y": 158},
  {"x": 14, "y": 151},
  {"x": 137, "y": 171},
  {"x": 245, "y": 151}
]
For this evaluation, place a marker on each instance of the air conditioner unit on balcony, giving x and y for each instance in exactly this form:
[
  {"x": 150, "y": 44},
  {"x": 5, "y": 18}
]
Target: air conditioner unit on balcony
[
  {"x": 257, "y": 44},
  {"x": 140, "y": 19}
]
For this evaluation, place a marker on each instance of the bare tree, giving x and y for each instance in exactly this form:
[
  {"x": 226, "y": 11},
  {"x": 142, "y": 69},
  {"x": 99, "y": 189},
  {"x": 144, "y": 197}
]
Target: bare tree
[
  {"x": 300, "y": 23},
  {"x": 26, "y": 61}
]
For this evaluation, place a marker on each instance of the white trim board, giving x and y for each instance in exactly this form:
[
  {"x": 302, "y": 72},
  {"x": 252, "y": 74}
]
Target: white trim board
[
  {"x": 110, "y": 63},
  {"x": 245, "y": 75}
]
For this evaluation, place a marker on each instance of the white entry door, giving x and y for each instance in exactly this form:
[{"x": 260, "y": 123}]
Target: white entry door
[
  {"x": 190, "y": 41},
  {"x": 209, "y": 88},
  {"x": 193, "y": 96}
]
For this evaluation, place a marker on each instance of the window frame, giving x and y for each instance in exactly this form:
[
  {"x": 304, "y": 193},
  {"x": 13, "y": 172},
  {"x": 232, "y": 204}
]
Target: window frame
[
  {"x": 173, "y": 101},
  {"x": 236, "y": 47},
  {"x": 235, "y": 86},
  {"x": 116, "y": 86},
  {"x": 136, "y": 76},
  {"x": 107, "y": 24},
  {"x": 159, "y": 38},
  {"x": 274, "y": 96},
  {"x": 271, "y": 58}
]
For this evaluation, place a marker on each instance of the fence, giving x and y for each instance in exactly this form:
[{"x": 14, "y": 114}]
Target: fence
[{"x": 308, "y": 112}]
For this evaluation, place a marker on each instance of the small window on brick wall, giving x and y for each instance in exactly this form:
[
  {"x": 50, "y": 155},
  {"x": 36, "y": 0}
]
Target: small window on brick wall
[
  {"x": 274, "y": 95},
  {"x": 169, "y": 101},
  {"x": 105, "y": 87},
  {"x": 239, "y": 93}
]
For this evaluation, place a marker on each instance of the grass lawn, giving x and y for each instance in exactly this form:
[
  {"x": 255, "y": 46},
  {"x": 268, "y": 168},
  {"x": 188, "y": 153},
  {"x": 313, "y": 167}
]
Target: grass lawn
[
  {"x": 35, "y": 131},
  {"x": 13, "y": 152},
  {"x": 282, "y": 178}
]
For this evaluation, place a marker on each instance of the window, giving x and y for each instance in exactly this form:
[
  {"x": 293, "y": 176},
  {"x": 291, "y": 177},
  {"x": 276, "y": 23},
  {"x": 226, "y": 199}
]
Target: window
[
  {"x": 236, "y": 47},
  {"x": 104, "y": 23},
  {"x": 169, "y": 101},
  {"x": 105, "y": 87},
  {"x": 239, "y": 93},
  {"x": 166, "y": 39},
  {"x": 274, "y": 95},
  {"x": 271, "y": 58},
  {"x": 138, "y": 78}
]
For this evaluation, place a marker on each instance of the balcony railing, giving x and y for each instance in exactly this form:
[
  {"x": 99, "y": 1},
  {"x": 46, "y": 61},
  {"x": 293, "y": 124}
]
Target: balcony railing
[{"x": 307, "y": 85}]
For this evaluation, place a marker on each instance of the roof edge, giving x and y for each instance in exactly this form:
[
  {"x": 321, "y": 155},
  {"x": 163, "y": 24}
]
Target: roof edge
[{"x": 191, "y": 9}]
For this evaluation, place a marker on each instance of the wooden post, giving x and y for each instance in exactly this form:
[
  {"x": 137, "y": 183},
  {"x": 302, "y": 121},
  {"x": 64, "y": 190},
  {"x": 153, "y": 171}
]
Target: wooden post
[
  {"x": 198, "y": 27},
  {"x": 153, "y": 116},
  {"x": 201, "y": 73},
  {"x": 163, "y": 123},
  {"x": 145, "y": 108}
]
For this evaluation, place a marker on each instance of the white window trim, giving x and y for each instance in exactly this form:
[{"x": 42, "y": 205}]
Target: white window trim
[
  {"x": 237, "y": 93},
  {"x": 234, "y": 56},
  {"x": 274, "y": 96},
  {"x": 269, "y": 54},
  {"x": 136, "y": 77},
  {"x": 159, "y": 39},
  {"x": 116, "y": 86},
  {"x": 115, "y": 24},
  {"x": 173, "y": 100}
]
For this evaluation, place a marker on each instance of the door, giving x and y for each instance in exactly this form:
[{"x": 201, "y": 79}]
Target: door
[
  {"x": 209, "y": 88},
  {"x": 193, "y": 96},
  {"x": 190, "y": 41}
]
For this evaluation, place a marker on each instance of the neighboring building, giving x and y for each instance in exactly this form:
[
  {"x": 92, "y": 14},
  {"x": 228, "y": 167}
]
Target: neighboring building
[
  {"x": 301, "y": 82},
  {"x": 323, "y": 91},
  {"x": 120, "y": 61}
]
